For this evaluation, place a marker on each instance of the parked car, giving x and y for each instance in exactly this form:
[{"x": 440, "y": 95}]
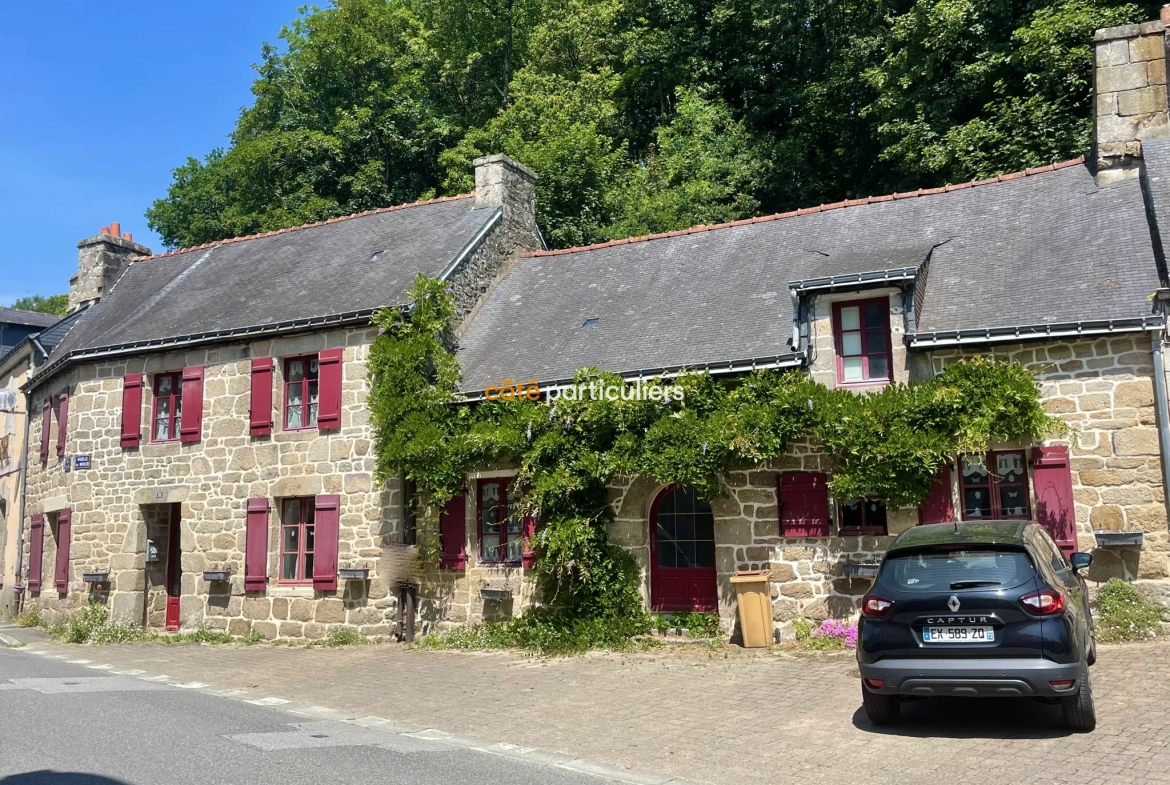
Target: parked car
[{"x": 988, "y": 609}]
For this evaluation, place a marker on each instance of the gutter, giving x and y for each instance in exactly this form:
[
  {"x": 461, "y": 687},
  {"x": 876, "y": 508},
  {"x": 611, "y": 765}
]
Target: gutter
[
  {"x": 830, "y": 283},
  {"x": 792, "y": 360},
  {"x": 1034, "y": 332}
]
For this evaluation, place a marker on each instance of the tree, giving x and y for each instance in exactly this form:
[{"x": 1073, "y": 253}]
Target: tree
[
  {"x": 644, "y": 115},
  {"x": 55, "y": 304}
]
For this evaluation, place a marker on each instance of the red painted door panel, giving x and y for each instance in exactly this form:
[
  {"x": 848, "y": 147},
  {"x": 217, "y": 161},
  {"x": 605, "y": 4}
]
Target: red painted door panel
[
  {"x": 174, "y": 571},
  {"x": 682, "y": 553},
  {"x": 1052, "y": 476}
]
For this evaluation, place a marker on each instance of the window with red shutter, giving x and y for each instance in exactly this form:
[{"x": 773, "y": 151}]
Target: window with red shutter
[
  {"x": 46, "y": 426},
  {"x": 256, "y": 546},
  {"x": 62, "y": 421},
  {"x": 36, "y": 551},
  {"x": 64, "y": 538},
  {"x": 862, "y": 516},
  {"x": 804, "y": 504},
  {"x": 260, "y": 409},
  {"x": 1052, "y": 475},
  {"x": 453, "y": 533},
  {"x": 994, "y": 486},
  {"x": 131, "y": 410},
  {"x": 329, "y": 375},
  {"x": 166, "y": 411},
  {"x": 328, "y": 528},
  {"x": 191, "y": 417}
]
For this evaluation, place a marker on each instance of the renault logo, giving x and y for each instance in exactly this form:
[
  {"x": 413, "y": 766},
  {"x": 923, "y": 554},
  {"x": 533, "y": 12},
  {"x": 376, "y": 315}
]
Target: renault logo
[{"x": 953, "y": 604}]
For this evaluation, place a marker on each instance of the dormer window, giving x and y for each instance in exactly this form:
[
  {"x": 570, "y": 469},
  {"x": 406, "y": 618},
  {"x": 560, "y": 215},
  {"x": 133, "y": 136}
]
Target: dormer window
[{"x": 861, "y": 332}]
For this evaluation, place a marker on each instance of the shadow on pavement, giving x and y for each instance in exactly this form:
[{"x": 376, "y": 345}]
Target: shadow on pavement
[
  {"x": 47, "y": 777},
  {"x": 972, "y": 718}
]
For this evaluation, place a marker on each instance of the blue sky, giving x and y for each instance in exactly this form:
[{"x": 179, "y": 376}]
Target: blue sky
[{"x": 99, "y": 102}]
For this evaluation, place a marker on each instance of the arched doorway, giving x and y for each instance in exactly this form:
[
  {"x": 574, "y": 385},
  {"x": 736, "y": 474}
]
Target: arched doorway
[{"x": 682, "y": 552}]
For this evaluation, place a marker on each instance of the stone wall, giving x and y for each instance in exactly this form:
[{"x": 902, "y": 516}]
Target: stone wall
[
  {"x": 1129, "y": 96},
  {"x": 113, "y": 501},
  {"x": 1103, "y": 389}
]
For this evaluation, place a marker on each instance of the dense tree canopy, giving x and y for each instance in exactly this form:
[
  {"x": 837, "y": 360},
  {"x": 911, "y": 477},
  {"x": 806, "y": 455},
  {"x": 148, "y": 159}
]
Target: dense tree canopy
[{"x": 644, "y": 115}]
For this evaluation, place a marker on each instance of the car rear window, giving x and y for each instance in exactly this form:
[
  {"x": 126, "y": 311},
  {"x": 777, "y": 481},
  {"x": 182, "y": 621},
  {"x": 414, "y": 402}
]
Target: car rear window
[{"x": 956, "y": 570}]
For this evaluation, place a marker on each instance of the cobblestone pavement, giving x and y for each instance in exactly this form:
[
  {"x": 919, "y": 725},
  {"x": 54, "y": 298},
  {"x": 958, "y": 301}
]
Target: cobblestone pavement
[{"x": 743, "y": 718}]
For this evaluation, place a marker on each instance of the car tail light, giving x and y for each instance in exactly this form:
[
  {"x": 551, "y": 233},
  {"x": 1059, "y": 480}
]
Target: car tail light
[
  {"x": 876, "y": 607},
  {"x": 1045, "y": 602},
  {"x": 875, "y": 683},
  {"x": 1064, "y": 684}
]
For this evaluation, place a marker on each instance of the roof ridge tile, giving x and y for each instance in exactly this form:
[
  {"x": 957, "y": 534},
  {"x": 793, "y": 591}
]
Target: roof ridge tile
[{"x": 323, "y": 222}]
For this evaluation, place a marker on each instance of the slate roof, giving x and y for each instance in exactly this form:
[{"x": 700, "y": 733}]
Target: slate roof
[
  {"x": 294, "y": 275},
  {"x": 1030, "y": 248},
  {"x": 31, "y": 318}
]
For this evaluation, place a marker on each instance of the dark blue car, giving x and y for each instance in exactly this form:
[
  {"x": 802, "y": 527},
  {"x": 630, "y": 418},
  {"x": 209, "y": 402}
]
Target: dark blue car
[{"x": 977, "y": 610}]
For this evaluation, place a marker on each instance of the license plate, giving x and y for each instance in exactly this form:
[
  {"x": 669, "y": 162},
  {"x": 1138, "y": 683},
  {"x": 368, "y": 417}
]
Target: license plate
[{"x": 958, "y": 634}]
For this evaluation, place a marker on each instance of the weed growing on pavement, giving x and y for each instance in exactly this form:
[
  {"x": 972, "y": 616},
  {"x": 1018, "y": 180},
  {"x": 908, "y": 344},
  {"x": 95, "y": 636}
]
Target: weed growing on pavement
[
  {"x": 29, "y": 619},
  {"x": 890, "y": 442},
  {"x": 1125, "y": 614},
  {"x": 344, "y": 636},
  {"x": 696, "y": 625},
  {"x": 252, "y": 638},
  {"x": 547, "y": 632}
]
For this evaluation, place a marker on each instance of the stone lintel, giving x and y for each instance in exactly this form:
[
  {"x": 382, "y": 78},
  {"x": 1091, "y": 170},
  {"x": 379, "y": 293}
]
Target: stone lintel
[
  {"x": 55, "y": 503},
  {"x": 162, "y": 494}
]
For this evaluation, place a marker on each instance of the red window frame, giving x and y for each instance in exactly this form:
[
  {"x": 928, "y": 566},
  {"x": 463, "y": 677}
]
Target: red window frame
[
  {"x": 510, "y": 528},
  {"x": 175, "y": 404},
  {"x": 869, "y": 517},
  {"x": 309, "y": 378},
  {"x": 866, "y": 353},
  {"x": 993, "y": 486},
  {"x": 301, "y": 546}
]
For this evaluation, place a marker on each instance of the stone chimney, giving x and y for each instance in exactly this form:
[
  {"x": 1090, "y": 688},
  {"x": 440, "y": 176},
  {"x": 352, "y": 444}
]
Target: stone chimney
[
  {"x": 502, "y": 182},
  {"x": 1129, "y": 92},
  {"x": 100, "y": 261}
]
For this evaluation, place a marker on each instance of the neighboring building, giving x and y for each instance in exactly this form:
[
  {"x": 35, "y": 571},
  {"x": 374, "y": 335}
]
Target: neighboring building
[
  {"x": 206, "y": 417},
  {"x": 16, "y": 325},
  {"x": 17, "y": 364},
  {"x": 216, "y": 395}
]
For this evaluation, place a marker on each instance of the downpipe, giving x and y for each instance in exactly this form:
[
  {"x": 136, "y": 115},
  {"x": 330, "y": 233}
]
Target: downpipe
[{"x": 1163, "y": 410}]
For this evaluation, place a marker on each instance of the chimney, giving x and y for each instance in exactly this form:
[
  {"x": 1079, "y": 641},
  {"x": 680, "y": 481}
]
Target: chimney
[
  {"x": 502, "y": 182},
  {"x": 1129, "y": 95},
  {"x": 101, "y": 259}
]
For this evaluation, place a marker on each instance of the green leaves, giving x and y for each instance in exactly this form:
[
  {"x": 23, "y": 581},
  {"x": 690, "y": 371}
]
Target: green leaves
[
  {"x": 55, "y": 304},
  {"x": 889, "y": 442}
]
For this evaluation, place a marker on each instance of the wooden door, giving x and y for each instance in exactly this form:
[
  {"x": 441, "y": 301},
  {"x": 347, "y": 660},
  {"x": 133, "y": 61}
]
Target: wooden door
[
  {"x": 174, "y": 570},
  {"x": 682, "y": 553}
]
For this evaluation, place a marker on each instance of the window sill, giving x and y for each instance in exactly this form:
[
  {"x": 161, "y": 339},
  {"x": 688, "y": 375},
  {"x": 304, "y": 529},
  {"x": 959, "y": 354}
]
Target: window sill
[
  {"x": 868, "y": 383},
  {"x": 292, "y": 592},
  {"x": 302, "y": 435},
  {"x": 869, "y": 531}
]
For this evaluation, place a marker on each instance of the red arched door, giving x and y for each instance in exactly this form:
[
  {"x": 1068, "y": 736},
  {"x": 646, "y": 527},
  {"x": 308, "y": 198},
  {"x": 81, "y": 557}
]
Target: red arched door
[{"x": 682, "y": 552}]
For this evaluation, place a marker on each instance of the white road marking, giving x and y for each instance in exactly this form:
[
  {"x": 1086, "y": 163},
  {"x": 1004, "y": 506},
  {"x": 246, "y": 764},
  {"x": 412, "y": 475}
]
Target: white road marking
[
  {"x": 100, "y": 667},
  {"x": 191, "y": 685},
  {"x": 128, "y": 673},
  {"x": 269, "y": 702},
  {"x": 79, "y": 662}
]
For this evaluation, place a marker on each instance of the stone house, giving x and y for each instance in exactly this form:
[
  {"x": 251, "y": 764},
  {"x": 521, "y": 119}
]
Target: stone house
[
  {"x": 18, "y": 361},
  {"x": 201, "y": 452},
  {"x": 238, "y": 505}
]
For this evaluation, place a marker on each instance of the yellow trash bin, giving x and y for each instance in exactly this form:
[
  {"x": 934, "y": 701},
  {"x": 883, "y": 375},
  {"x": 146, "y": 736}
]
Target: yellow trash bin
[{"x": 753, "y": 594}]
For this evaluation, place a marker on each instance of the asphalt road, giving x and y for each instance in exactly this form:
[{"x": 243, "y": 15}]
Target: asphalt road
[{"x": 66, "y": 724}]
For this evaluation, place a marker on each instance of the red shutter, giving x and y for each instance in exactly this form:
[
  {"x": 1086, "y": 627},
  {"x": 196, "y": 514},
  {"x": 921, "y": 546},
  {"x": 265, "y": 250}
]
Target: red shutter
[
  {"x": 804, "y": 504},
  {"x": 131, "y": 409},
  {"x": 325, "y": 533},
  {"x": 261, "y": 402},
  {"x": 939, "y": 506},
  {"x": 36, "y": 552},
  {"x": 329, "y": 389},
  {"x": 1054, "y": 496},
  {"x": 62, "y": 421},
  {"x": 64, "y": 537},
  {"x": 256, "y": 546},
  {"x": 528, "y": 554},
  {"x": 453, "y": 533},
  {"x": 191, "y": 419},
  {"x": 46, "y": 426}
]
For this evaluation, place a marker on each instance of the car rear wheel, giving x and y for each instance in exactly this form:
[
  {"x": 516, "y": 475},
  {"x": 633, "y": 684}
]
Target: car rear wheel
[
  {"x": 1079, "y": 714},
  {"x": 881, "y": 709}
]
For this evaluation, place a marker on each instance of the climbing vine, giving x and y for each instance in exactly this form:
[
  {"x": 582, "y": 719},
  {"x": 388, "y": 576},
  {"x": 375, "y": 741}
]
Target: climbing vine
[{"x": 890, "y": 442}]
